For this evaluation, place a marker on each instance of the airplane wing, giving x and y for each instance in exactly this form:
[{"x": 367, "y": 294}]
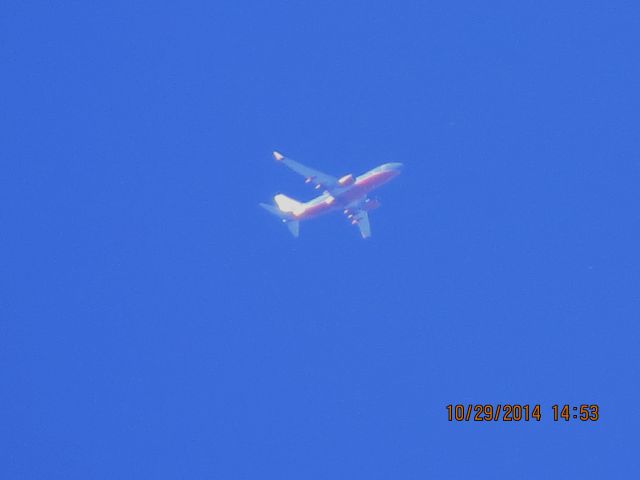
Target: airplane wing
[
  {"x": 316, "y": 177},
  {"x": 363, "y": 225},
  {"x": 361, "y": 219}
]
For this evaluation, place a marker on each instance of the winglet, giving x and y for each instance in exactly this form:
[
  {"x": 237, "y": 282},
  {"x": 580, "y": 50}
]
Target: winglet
[{"x": 278, "y": 156}]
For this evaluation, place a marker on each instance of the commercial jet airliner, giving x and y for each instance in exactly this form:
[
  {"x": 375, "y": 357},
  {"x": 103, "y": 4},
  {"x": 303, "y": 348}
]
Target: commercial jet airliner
[{"x": 348, "y": 194}]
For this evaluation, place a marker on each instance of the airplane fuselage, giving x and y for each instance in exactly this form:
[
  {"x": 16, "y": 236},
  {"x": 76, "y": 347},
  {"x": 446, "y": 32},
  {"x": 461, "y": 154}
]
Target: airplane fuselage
[
  {"x": 353, "y": 195},
  {"x": 348, "y": 193}
]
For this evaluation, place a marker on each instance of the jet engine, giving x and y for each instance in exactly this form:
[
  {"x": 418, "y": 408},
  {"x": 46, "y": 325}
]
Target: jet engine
[{"x": 346, "y": 180}]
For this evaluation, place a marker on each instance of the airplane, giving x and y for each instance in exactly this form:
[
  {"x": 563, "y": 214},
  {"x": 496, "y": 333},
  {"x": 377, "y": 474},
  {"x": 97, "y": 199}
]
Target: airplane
[{"x": 347, "y": 193}]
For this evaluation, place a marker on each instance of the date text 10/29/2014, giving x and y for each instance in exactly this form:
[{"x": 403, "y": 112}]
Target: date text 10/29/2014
[{"x": 518, "y": 412}]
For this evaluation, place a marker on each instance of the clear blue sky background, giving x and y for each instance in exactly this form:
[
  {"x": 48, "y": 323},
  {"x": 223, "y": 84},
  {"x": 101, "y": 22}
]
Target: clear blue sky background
[{"x": 155, "y": 323}]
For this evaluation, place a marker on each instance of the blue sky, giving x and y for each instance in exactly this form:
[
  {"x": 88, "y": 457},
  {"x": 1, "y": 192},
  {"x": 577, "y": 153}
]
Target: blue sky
[{"x": 155, "y": 323}]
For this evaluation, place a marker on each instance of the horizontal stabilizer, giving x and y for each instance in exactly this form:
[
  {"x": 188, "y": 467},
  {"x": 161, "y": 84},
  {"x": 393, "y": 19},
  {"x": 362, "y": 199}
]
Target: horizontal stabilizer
[
  {"x": 272, "y": 209},
  {"x": 294, "y": 227}
]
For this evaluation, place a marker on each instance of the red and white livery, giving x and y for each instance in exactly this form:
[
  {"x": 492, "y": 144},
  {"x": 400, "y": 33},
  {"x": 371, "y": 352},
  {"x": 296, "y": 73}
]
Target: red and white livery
[{"x": 348, "y": 194}]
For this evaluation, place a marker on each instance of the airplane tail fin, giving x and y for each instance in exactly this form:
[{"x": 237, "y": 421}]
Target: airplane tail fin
[
  {"x": 286, "y": 210},
  {"x": 288, "y": 205}
]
